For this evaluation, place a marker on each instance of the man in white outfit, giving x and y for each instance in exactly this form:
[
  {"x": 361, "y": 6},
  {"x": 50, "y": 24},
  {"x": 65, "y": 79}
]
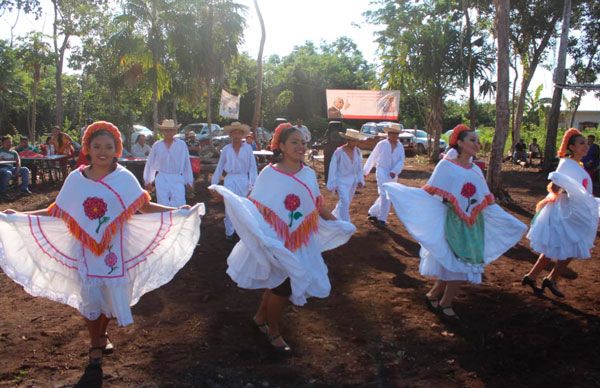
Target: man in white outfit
[
  {"x": 303, "y": 129},
  {"x": 238, "y": 162},
  {"x": 388, "y": 156},
  {"x": 171, "y": 160}
]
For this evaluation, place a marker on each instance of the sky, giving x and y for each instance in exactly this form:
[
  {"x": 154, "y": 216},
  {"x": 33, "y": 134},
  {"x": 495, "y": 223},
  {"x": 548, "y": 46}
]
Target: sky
[{"x": 291, "y": 23}]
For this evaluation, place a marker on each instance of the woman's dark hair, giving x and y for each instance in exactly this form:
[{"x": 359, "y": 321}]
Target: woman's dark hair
[
  {"x": 461, "y": 136},
  {"x": 283, "y": 136},
  {"x": 101, "y": 132},
  {"x": 571, "y": 142}
]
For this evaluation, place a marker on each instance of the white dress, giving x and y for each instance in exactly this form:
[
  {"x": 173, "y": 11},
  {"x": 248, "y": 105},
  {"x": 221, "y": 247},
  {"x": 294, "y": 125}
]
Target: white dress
[
  {"x": 344, "y": 176},
  {"x": 387, "y": 162},
  {"x": 566, "y": 226},
  {"x": 423, "y": 213},
  {"x": 241, "y": 173},
  {"x": 174, "y": 172},
  {"x": 95, "y": 254},
  {"x": 282, "y": 235}
]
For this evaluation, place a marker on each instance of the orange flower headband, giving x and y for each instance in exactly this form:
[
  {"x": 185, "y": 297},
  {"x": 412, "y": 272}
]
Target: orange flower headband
[
  {"x": 460, "y": 128},
  {"x": 277, "y": 133},
  {"x": 564, "y": 144},
  {"x": 98, "y": 126}
]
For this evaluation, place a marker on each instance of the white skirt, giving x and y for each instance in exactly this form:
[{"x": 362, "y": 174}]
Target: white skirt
[
  {"x": 424, "y": 217},
  {"x": 566, "y": 228},
  {"x": 261, "y": 260},
  {"x": 39, "y": 253}
]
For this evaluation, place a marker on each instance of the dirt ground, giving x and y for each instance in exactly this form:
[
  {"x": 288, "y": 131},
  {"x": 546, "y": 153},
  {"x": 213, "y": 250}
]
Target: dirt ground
[{"x": 372, "y": 331}]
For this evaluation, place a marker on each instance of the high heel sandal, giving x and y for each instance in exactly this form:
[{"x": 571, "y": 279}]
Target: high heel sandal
[
  {"x": 109, "y": 348},
  {"x": 527, "y": 281},
  {"x": 280, "y": 349},
  {"x": 551, "y": 285}
]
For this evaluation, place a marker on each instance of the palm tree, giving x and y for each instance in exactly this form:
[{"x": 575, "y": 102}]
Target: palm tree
[
  {"x": 142, "y": 42},
  {"x": 217, "y": 27},
  {"x": 36, "y": 55}
]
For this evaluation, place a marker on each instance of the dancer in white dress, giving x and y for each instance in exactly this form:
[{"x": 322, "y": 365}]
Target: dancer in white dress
[
  {"x": 345, "y": 172},
  {"x": 169, "y": 158},
  {"x": 283, "y": 228},
  {"x": 566, "y": 221},
  {"x": 456, "y": 221},
  {"x": 89, "y": 250},
  {"x": 238, "y": 161},
  {"x": 388, "y": 155}
]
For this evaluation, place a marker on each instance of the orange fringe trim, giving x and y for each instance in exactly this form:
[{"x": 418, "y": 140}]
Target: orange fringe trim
[
  {"x": 300, "y": 236},
  {"x": 551, "y": 197},
  {"x": 82, "y": 236},
  {"x": 470, "y": 220}
]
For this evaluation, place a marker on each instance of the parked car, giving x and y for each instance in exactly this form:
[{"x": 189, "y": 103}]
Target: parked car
[
  {"x": 374, "y": 132},
  {"x": 422, "y": 139},
  {"x": 202, "y": 131},
  {"x": 140, "y": 130}
]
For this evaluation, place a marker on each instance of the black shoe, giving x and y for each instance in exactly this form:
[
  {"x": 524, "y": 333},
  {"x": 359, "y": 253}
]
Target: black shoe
[
  {"x": 372, "y": 218},
  {"x": 527, "y": 281},
  {"x": 551, "y": 285},
  {"x": 283, "y": 350},
  {"x": 380, "y": 224},
  {"x": 26, "y": 192}
]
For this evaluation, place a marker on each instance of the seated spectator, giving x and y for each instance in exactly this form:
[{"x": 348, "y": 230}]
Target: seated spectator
[
  {"x": 25, "y": 146},
  {"x": 192, "y": 143},
  {"x": 140, "y": 149},
  {"x": 62, "y": 144},
  {"x": 534, "y": 151},
  {"x": 8, "y": 171},
  {"x": 592, "y": 159},
  {"x": 520, "y": 154},
  {"x": 250, "y": 141}
]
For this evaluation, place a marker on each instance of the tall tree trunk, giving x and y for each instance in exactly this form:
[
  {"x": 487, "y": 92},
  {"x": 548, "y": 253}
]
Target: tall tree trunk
[
  {"x": 259, "y": 76},
  {"x": 514, "y": 93},
  {"x": 575, "y": 108},
  {"x": 494, "y": 177},
  {"x": 528, "y": 72},
  {"x": 209, "y": 107},
  {"x": 558, "y": 78},
  {"x": 471, "y": 73},
  {"x": 174, "y": 107},
  {"x": 59, "y": 53},
  {"x": 434, "y": 123},
  {"x": 34, "y": 90}
]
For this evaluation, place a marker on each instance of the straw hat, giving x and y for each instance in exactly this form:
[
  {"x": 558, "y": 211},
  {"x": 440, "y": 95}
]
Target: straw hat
[
  {"x": 168, "y": 124},
  {"x": 237, "y": 126},
  {"x": 352, "y": 134},
  {"x": 392, "y": 128}
]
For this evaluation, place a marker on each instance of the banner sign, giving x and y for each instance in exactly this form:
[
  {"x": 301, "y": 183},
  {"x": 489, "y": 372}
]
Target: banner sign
[
  {"x": 230, "y": 105},
  {"x": 363, "y": 104}
]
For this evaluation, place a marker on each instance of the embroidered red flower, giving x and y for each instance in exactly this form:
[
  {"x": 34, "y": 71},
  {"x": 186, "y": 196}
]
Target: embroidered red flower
[
  {"x": 95, "y": 209},
  {"x": 292, "y": 202},
  {"x": 468, "y": 190},
  {"x": 585, "y": 183},
  {"x": 111, "y": 260}
]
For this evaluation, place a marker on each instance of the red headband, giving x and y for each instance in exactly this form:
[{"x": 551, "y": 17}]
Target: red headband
[
  {"x": 277, "y": 133},
  {"x": 98, "y": 126},
  {"x": 564, "y": 144},
  {"x": 460, "y": 128}
]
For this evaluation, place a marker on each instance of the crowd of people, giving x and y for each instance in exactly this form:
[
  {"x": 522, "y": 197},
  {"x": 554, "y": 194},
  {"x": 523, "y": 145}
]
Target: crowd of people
[{"x": 278, "y": 219}]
